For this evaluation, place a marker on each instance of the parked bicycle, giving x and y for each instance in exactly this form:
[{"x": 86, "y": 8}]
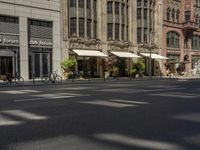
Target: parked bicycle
[
  {"x": 52, "y": 78},
  {"x": 10, "y": 79}
]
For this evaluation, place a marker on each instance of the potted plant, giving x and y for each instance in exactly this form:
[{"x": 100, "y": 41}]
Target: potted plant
[
  {"x": 138, "y": 69},
  {"x": 68, "y": 66},
  {"x": 115, "y": 72}
]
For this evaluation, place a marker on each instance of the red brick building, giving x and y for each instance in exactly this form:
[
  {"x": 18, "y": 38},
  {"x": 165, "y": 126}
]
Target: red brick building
[{"x": 181, "y": 35}]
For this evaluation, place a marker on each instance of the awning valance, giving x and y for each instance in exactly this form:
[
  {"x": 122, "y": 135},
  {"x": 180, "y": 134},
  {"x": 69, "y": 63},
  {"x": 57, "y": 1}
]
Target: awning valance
[
  {"x": 89, "y": 53},
  {"x": 125, "y": 54},
  {"x": 153, "y": 56}
]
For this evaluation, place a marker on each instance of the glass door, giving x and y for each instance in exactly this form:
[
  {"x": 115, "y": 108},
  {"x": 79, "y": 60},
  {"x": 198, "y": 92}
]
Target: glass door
[
  {"x": 40, "y": 64},
  {"x": 6, "y": 65}
]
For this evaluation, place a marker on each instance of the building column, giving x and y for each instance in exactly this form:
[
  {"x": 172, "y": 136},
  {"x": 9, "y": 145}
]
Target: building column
[
  {"x": 23, "y": 32},
  {"x": 189, "y": 65},
  {"x": 56, "y": 46}
]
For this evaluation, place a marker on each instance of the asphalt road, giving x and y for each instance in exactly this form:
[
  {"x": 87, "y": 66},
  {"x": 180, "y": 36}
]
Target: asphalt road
[{"x": 121, "y": 115}]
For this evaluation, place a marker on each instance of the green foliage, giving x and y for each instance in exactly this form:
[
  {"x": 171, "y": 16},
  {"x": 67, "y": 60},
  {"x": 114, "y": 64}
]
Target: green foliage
[
  {"x": 68, "y": 64},
  {"x": 138, "y": 67},
  {"x": 115, "y": 70}
]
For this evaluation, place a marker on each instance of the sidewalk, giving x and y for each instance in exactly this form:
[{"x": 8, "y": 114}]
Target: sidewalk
[{"x": 97, "y": 80}]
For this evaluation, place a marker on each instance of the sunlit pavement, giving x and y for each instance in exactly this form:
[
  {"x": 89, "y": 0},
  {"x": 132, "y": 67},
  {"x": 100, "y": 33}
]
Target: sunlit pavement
[{"x": 122, "y": 115}]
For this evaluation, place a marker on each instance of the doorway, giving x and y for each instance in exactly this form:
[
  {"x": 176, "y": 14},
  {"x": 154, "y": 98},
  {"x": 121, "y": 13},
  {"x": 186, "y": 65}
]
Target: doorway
[
  {"x": 39, "y": 64},
  {"x": 6, "y": 65}
]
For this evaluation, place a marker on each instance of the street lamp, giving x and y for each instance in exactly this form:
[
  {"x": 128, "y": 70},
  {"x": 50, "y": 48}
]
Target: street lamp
[{"x": 149, "y": 46}]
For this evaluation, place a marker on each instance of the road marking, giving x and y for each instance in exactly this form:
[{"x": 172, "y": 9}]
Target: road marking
[
  {"x": 24, "y": 114},
  {"x": 5, "y": 121},
  {"x": 20, "y": 91},
  {"x": 108, "y": 104},
  {"x": 177, "y": 95},
  {"x": 131, "y": 91},
  {"x": 129, "y": 102},
  {"x": 182, "y": 80},
  {"x": 50, "y": 96},
  {"x": 137, "y": 142},
  {"x": 41, "y": 98},
  {"x": 194, "y": 117},
  {"x": 77, "y": 88}
]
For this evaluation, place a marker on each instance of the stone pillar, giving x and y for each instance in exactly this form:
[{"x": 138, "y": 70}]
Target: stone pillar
[
  {"x": 189, "y": 65},
  {"x": 23, "y": 30},
  {"x": 56, "y": 45}
]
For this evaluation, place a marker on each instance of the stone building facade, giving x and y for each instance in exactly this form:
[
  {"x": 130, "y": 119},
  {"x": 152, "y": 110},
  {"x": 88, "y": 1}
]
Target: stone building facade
[
  {"x": 181, "y": 35},
  {"x": 30, "y": 40},
  {"x": 111, "y": 26}
]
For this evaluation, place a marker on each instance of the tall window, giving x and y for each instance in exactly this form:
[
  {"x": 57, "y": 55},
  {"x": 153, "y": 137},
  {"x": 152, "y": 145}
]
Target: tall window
[
  {"x": 173, "y": 39},
  {"x": 145, "y": 35},
  {"x": 145, "y": 14},
  {"x": 139, "y": 2},
  {"x": 95, "y": 29},
  {"x": 116, "y": 31},
  {"x": 196, "y": 42},
  {"x": 88, "y": 4},
  {"x": 81, "y": 3},
  {"x": 177, "y": 16},
  {"x": 81, "y": 27},
  {"x": 196, "y": 18},
  {"x": 123, "y": 10},
  {"x": 110, "y": 30},
  {"x": 88, "y": 28},
  {"x": 109, "y": 7},
  {"x": 139, "y": 13},
  {"x": 123, "y": 32},
  {"x": 145, "y": 19},
  {"x": 199, "y": 22},
  {"x": 72, "y": 3},
  {"x": 73, "y": 26},
  {"x": 145, "y": 3},
  {"x": 116, "y": 28},
  {"x": 139, "y": 35},
  {"x": 95, "y": 5},
  {"x": 117, "y": 8},
  {"x": 173, "y": 15},
  {"x": 187, "y": 16},
  {"x": 168, "y": 14}
]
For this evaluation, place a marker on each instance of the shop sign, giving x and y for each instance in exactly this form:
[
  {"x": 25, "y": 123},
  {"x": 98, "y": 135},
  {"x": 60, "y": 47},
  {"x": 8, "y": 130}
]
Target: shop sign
[
  {"x": 6, "y": 41},
  {"x": 41, "y": 43}
]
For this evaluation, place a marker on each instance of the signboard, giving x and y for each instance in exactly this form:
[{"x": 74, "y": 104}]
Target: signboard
[
  {"x": 36, "y": 42},
  {"x": 9, "y": 41}
]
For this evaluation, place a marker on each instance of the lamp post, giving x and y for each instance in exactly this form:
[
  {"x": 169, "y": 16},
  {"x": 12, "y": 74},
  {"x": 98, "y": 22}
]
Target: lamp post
[
  {"x": 149, "y": 46},
  {"x": 150, "y": 75}
]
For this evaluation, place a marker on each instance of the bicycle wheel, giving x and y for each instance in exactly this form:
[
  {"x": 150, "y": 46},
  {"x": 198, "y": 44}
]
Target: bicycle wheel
[
  {"x": 58, "y": 79},
  {"x": 45, "y": 80},
  {"x": 19, "y": 80}
]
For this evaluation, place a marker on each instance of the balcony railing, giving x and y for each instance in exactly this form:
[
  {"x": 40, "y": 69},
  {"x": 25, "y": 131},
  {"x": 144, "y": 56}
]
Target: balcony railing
[{"x": 190, "y": 25}]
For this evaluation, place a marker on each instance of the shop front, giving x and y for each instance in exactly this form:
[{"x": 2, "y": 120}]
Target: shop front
[
  {"x": 153, "y": 64},
  {"x": 9, "y": 45},
  {"x": 40, "y": 48},
  {"x": 89, "y": 62},
  {"x": 121, "y": 63}
]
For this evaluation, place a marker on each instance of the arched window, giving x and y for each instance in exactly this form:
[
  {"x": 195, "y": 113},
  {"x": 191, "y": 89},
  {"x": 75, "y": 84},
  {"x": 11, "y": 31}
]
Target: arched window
[
  {"x": 196, "y": 42},
  {"x": 173, "y": 40},
  {"x": 168, "y": 14}
]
